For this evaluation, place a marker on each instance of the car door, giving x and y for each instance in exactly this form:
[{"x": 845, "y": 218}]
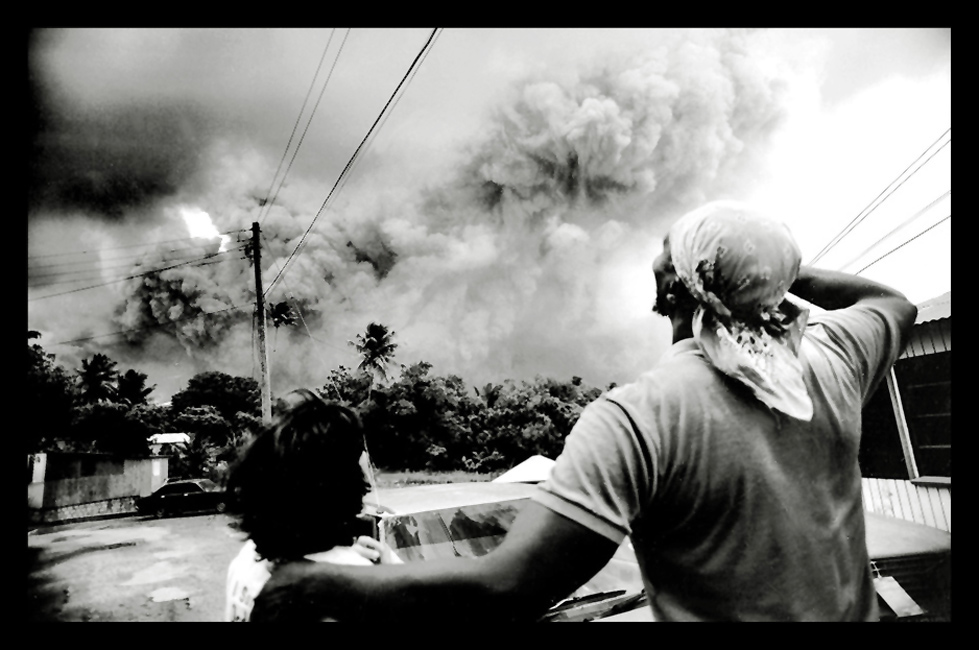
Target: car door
[
  {"x": 179, "y": 497},
  {"x": 168, "y": 499},
  {"x": 194, "y": 498}
]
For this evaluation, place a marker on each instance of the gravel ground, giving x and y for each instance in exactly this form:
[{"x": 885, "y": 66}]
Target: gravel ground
[{"x": 131, "y": 569}]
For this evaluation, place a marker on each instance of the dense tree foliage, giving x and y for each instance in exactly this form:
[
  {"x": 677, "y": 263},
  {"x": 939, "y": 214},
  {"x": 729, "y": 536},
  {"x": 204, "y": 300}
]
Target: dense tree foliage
[
  {"x": 49, "y": 395},
  {"x": 229, "y": 395},
  {"x": 424, "y": 421},
  {"x": 110, "y": 428},
  {"x": 204, "y": 423},
  {"x": 416, "y": 421}
]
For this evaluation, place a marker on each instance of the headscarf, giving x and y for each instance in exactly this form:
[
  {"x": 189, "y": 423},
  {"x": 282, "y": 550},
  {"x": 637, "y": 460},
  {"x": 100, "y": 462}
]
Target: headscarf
[{"x": 738, "y": 265}]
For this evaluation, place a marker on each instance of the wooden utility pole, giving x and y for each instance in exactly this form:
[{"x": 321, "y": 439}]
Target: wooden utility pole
[{"x": 260, "y": 315}]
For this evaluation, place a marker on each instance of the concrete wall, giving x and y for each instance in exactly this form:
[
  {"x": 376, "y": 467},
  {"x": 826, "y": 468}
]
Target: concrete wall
[{"x": 67, "y": 486}]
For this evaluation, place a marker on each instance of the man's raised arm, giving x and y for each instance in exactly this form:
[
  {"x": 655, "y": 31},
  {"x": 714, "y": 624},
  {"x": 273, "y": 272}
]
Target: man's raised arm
[{"x": 836, "y": 290}]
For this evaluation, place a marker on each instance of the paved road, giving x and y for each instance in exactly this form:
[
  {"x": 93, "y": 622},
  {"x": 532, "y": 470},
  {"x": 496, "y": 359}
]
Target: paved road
[{"x": 131, "y": 569}]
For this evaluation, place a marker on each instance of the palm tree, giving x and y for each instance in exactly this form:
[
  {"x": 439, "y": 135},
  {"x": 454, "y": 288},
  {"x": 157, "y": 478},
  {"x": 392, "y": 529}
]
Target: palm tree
[
  {"x": 377, "y": 348},
  {"x": 281, "y": 314},
  {"x": 131, "y": 388},
  {"x": 97, "y": 379}
]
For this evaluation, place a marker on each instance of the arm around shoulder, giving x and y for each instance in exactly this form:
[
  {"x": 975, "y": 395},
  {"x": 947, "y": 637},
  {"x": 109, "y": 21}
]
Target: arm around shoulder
[{"x": 544, "y": 557}]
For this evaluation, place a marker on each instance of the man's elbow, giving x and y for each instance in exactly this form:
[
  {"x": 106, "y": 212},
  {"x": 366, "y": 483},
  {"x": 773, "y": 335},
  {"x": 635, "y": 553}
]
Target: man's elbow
[
  {"x": 509, "y": 593},
  {"x": 904, "y": 311},
  {"x": 907, "y": 313}
]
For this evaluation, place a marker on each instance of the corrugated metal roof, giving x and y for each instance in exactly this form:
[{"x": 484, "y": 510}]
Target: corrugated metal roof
[{"x": 935, "y": 309}]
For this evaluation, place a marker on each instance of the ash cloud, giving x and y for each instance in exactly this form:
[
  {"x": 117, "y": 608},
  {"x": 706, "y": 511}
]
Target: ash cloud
[
  {"x": 512, "y": 265},
  {"x": 105, "y": 160}
]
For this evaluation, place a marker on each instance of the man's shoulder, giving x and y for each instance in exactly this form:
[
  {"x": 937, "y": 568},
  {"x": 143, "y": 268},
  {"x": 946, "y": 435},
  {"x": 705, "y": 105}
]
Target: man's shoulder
[{"x": 682, "y": 366}]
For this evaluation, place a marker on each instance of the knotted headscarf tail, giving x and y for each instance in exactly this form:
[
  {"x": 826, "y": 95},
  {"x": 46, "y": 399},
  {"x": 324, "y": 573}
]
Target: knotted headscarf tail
[{"x": 738, "y": 265}]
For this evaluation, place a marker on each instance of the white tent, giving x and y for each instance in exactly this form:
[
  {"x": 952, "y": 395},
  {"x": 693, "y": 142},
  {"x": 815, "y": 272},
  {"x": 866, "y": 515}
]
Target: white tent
[
  {"x": 169, "y": 438},
  {"x": 157, "y": 441},
  {"x": 533, "y": 470}
]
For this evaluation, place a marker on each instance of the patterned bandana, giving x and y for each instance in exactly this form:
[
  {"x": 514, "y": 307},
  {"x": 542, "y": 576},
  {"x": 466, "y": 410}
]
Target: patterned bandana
[{"x": 739, "y": 265}]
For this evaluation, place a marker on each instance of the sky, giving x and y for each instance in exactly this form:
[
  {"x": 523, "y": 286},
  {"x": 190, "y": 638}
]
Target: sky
[{"x": 494, "y": 196}]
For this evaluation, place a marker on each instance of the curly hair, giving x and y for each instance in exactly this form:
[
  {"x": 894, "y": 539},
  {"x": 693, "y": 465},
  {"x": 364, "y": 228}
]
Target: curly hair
[{"x": 298, "y": 487}]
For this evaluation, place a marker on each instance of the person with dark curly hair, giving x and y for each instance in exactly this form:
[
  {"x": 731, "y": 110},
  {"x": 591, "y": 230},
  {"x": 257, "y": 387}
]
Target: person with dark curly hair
[{"x": 297, "y": 491}]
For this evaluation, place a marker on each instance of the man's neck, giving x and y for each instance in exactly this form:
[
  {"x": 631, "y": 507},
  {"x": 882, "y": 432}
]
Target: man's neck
[{"x": 682, "y": 328}]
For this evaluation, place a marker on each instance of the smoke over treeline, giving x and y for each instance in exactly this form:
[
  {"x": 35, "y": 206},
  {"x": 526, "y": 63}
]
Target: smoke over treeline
[{"x": 529, "y": 254}]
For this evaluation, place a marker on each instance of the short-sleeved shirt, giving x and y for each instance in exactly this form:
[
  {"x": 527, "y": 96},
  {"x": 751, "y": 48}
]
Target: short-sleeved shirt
[
  {"x": 736, "y": 512},
  {"x": 248, "y": 573}
]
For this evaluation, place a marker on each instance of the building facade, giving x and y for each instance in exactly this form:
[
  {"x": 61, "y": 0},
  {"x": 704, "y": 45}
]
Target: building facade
[
  {"x": 906, "y": 449},
  {"x": 63, "y": 486}
]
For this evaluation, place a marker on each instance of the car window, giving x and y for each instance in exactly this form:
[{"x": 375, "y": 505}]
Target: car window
[
  {"x": 207, "y": 485},
  {"x": 179, "y": 488},
  {"x": 468, "y": 531}
]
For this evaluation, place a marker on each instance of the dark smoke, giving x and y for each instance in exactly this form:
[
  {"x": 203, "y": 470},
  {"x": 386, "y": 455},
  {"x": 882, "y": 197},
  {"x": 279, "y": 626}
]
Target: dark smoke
[{"x": 515, "y": 264}]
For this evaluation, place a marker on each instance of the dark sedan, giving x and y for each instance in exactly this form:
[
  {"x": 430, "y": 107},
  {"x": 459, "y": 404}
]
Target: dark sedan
[{"x": 183, "y": 497}]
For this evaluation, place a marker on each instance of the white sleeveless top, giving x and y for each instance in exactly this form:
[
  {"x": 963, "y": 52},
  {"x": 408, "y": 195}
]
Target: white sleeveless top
[{"x": 247, "y": 574}]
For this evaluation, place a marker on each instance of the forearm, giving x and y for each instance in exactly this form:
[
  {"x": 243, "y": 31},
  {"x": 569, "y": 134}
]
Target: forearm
[
  {"x": 836, "y": 290},
  {"x": 405, "y": 592}
]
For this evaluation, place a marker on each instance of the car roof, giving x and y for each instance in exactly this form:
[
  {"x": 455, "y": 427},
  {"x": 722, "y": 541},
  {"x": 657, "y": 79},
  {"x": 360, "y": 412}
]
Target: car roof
[
  {"x": 892, "y": 537},
  {"x": 422, "y": 498},
  {"x": 886, "y": 536},
  {"x": 203, "y": 482}
]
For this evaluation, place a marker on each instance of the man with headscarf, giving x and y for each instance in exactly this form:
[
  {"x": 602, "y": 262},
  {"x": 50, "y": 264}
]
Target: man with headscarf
[{"x": 732, "y": 464}]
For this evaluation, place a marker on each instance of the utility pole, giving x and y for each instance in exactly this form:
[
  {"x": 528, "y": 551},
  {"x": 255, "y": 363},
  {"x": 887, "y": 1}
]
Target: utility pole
[{"x": 260, "y": 314}]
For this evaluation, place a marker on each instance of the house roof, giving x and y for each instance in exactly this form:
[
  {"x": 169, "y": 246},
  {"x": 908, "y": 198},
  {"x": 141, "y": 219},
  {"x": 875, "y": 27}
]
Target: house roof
[
  {"x": 935, "y": 309},
  {"x": 535, "y": 469}
]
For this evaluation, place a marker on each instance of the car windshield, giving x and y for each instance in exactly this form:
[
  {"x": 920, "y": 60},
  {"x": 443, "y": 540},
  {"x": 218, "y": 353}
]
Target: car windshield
[
  {"x": 467, "y": 531},
  {"x": 208, "y": 485},
  {"x": 475, "y": 530}
]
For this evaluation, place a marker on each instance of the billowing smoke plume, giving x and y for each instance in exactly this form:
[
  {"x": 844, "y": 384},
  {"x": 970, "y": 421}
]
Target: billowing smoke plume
[{"x": 531, "y": 257}]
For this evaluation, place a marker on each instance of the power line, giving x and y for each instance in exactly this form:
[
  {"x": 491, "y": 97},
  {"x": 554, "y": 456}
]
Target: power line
[
  {"x": 128, "y": 277},
  {"x": 905, "y": 243},
  {"x": 87, "y": 273},
  {"x": 386, "y": 114},
  {"x": 107, "y": 281},
  {"x": 291, "y": 299},
  {"x": 343, "y": 173},
  {"x": 309, "y": 91},
  {"x": 115, "y": 258},
  {"x": 267, "y": 204},
  {"x": 97, "y": 250},
  {"x": 867, "y": 210},
  {"x": 913, "y": 217},
  {"x": 133, "y": 266},
  {"x": 158, "y": 325}
]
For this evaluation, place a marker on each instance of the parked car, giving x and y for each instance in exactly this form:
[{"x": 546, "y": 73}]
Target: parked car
[
  {"x": 183, "y": 497},
  {"x": 919, "y": 558},
  {"x": 425, "y": 522},
  {"x": 470, "y": 519}
]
